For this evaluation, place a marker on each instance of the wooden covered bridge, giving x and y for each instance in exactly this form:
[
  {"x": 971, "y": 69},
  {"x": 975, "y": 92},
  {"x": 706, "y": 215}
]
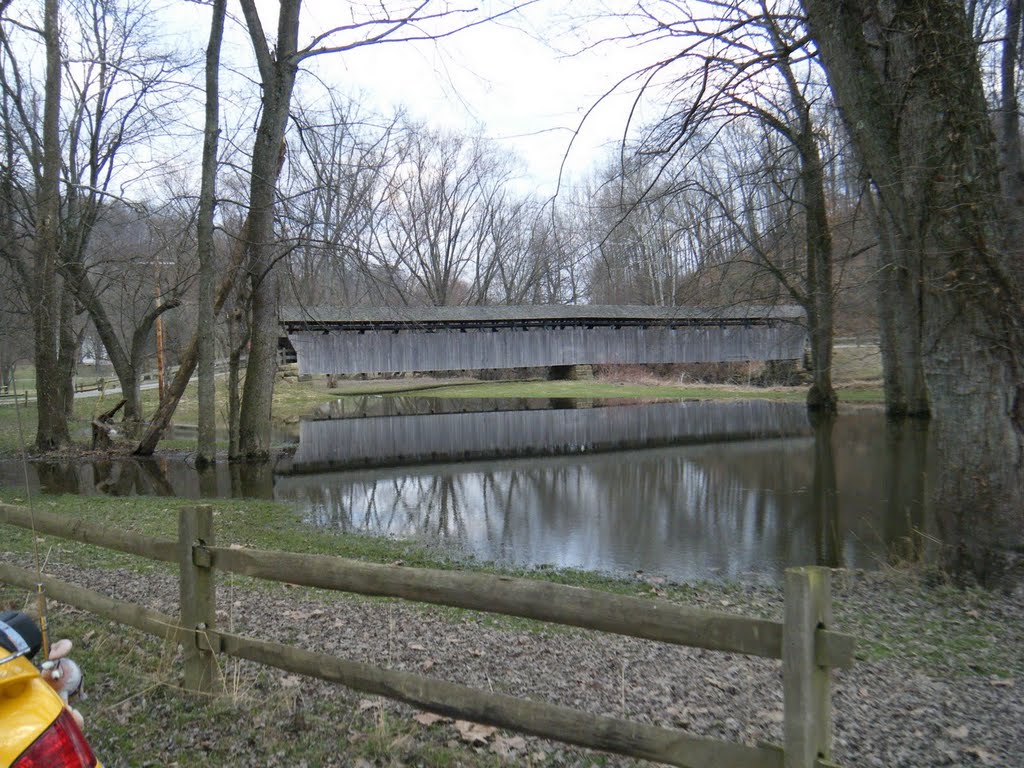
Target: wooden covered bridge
[{"x": 409, "y": 339}]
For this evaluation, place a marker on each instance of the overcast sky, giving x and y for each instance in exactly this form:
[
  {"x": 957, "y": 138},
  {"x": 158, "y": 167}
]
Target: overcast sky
[{"x": 500, "y": 80}]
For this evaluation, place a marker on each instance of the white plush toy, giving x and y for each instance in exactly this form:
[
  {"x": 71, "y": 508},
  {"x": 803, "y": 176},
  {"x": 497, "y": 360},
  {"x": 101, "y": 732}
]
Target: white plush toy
[{"x": 64, "y": 676}]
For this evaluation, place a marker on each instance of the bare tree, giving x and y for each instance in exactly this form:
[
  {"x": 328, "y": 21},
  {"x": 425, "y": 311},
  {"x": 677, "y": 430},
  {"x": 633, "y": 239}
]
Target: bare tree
[
  {"x": 737, "y": 61},
  {"x": 336, "y": 195},
  {"x": 112, "y": 83},
  {"x": 31, "y": 213},
  {"x": 278, "y": 67},
  {"x": 206, "y": 328},
  {"x": 652, "y": 238},
  {"x": 441, "y": 228}
]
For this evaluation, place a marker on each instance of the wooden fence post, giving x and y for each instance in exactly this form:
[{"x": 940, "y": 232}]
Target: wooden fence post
[
  {"x": 805, "y": 685},
  {"x": 198, "y": 597}
]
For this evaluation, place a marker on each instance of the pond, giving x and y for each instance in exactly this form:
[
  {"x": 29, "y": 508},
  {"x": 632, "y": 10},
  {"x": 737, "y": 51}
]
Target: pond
[{"x": 682, "y": 490}]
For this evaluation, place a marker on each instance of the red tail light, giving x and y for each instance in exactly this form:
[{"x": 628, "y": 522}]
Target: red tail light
[{"x": 62, "y": 745}]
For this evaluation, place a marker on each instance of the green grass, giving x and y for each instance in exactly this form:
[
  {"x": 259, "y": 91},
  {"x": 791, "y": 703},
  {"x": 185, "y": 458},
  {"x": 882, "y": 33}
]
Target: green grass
[
  {"x": 856, "y": 363},
  {"x": 595, "y": 389},
  {"x": 25, "y": 377},
  {"x": 245, "y": 522}
]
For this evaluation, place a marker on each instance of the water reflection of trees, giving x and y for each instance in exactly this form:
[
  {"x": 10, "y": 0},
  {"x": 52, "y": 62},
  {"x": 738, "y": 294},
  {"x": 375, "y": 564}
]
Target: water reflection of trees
[
  {"x": 700, "y": 506},
  {"x": 851, "y": 496},
  {"x": 132, "y": 476},
  {"x": 825, "y": 494}
]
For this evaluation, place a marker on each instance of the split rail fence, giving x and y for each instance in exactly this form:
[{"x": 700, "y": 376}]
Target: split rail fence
[
  {"x": 12, "y": 398},
  {"x": 804, "y": 640}
]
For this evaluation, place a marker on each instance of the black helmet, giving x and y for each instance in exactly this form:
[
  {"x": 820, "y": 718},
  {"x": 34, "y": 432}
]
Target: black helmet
[{"x": 18, "y": 631}]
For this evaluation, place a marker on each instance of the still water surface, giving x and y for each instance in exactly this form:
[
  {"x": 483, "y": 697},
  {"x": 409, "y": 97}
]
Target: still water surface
[{"x": 738, "y": 489}]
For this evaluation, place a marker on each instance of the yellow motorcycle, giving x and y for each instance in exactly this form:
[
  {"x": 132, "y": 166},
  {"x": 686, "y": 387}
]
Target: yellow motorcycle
[{"x": 38, "y": 728}]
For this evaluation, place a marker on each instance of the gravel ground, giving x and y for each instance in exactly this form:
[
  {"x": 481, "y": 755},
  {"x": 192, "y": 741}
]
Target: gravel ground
[{"x": 886, "y": 713}]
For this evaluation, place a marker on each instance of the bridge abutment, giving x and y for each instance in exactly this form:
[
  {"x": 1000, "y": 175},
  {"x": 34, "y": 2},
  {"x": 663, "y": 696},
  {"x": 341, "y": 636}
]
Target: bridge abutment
[{"x": 570, "y": 372}]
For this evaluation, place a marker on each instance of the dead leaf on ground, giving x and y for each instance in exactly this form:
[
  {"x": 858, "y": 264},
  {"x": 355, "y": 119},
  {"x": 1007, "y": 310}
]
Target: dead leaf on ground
[
  {"x": 506, "y": 746},
  {"x": 986, "y": 757},
  {"x": 291, "y": 681},
  {"x": 715, "y": 682},
  {"x": 367, "y": 704},
  {"x": 473, "y": 733},
  {"x": 429, "y": 718},
  {"x": 416, "y": 647},
  {"x": 960, "y": 732},
  {"x": 1002, "y": 682}
]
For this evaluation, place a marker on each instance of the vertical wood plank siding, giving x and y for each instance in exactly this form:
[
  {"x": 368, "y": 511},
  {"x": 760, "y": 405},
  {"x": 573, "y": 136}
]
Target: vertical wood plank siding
[
  {"x": 340, "y": 443},
  {"x": 340, "y": 350}
]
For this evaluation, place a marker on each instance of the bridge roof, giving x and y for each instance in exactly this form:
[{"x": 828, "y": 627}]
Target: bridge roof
[{"x": 299, "y": 316}]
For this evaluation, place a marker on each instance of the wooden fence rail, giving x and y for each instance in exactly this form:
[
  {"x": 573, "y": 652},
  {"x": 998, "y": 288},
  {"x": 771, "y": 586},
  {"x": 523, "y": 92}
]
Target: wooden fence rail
[
  {"x": 14, "y": 399},
  {"x": 804, "y": 642}
]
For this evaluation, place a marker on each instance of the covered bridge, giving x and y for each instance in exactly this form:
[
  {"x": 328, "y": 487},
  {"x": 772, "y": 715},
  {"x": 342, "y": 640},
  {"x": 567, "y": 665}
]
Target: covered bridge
[{"x": 408, "y": 339}]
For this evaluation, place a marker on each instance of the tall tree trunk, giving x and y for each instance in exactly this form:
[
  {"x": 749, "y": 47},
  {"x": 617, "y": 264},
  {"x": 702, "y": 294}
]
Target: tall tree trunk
[
  {"x": 1009, "y": 118},
  {"x": 67, "y": 355},
  {"x": 1008, "y": 127},
  {"x": 236, "y": 344},
  {"x": 52, "y": 425},
  {"x": 277, "y": 73},
  {"x": 821, "y": 396},
  {"x": 898, "y": 282},
  {"x": 907, "y": 79},
  {"x": 818, "y": 297},
  {"x": 206, "y": 327}
]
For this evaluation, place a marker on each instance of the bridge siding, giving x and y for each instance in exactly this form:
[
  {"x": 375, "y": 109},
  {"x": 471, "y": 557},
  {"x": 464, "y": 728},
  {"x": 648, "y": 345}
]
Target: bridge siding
[{"x": 343, "y": 351}]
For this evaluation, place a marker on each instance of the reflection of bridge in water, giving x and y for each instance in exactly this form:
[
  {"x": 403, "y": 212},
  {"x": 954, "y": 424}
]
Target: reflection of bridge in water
[
  {"x": 848, "y": 497},
  {"x": 390, "y": 440},
  {"x": 366, "y": 339}
]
